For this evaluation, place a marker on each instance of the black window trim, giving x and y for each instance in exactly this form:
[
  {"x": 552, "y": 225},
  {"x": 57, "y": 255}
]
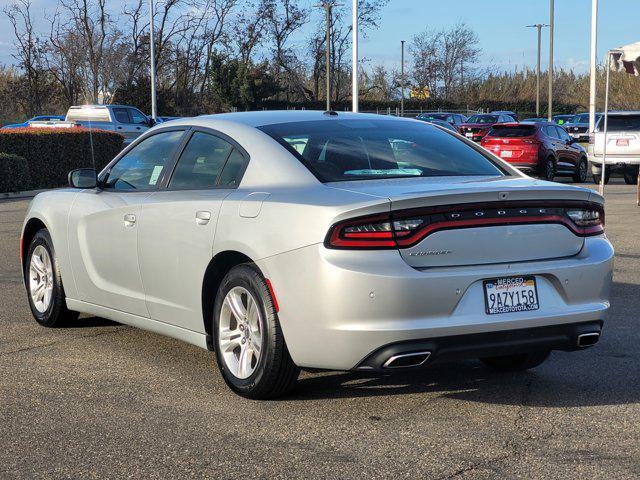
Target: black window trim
[
  {"x": 164, "y": 184},
  {"x": 106, "y": 170}
]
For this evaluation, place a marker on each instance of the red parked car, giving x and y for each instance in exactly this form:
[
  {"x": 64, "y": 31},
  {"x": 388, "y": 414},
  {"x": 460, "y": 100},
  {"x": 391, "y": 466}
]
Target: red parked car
[
  {"x": 543, "y": 149},
  {"x": 477, "y": 126}
]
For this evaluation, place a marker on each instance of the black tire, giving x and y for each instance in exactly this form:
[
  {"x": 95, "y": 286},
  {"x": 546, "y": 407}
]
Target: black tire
[
  {"x": 598, "y": 177},
  {"x": 517, "y": 362},
  {"x": 631, "y": 176},
  {"x": 580, "y": 175},
  {"x": 548, "y": 171},
  {"x": 57, "y": 313},
  {"x": 275, "y": 374}
]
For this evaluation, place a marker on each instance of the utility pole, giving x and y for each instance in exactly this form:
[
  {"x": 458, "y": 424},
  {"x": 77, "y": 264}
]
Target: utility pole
[
  {"x": 402, "y": 77},
  {"x": 551, "y": 18},
  {"x": 539, "y": 27},
  {"x": 327, "y": 5},
  {"x": 593, "y": 72},
  {"x": 152, "y": 53},
  {"x": 354, "y": 86}
]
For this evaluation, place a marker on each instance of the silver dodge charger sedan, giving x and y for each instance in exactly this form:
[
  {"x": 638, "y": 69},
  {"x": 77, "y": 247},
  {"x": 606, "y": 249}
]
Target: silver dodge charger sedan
[{"x": 324, "y": 240}]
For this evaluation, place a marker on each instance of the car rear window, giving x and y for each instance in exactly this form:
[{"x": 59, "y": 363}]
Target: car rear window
[
  {"x": 621, "y": 123},
  {"x": 343, "y": 150},
  {"x": 510, "y": 131},
  {"x": 483, "y": 119}
]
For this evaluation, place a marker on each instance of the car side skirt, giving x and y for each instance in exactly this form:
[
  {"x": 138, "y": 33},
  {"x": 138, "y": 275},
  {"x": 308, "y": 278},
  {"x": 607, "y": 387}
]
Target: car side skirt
[{"x": 194, "y": 338}]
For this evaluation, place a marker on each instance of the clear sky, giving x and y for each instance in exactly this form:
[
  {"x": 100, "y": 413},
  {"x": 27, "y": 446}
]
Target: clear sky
[{"x": 500, "y": 25}]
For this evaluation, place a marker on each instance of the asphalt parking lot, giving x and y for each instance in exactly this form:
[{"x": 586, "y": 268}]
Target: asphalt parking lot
[{"x": 102, "y": 400}]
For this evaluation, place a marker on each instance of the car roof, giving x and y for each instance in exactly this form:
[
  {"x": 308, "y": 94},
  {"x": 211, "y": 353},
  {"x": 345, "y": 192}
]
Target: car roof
[{"x": 270, "y": 117}]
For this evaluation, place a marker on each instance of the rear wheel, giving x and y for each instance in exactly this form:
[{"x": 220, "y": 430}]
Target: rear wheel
[
  {"x": 44, "y": 283},
  {"x": 250, "y": 348},
  {"x": 631, "y": 176},
  {"x": 580, "y": 175},
  {"x": 517, "y": 362},
  {"x": 548, "y": 170}
]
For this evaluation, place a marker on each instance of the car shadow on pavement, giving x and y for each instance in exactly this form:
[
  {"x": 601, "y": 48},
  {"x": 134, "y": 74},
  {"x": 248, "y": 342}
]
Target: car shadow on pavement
[{"x": 87, "y": 322}]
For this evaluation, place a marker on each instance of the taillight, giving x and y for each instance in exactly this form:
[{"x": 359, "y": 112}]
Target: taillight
[
  {"x": 405, "y": 228},
  {"x": 589, "y": 221},
  {"x": 592, "y": 139}
]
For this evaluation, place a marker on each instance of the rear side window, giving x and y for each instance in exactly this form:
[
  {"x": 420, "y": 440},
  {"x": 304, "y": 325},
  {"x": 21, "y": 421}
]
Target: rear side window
[
  {"x": 201, "y": 162},
  {"x": 514, "y": 131},
  {"x": 121, "y": 114},
  {"x": 621, "y": 123},
  {"x": 343, "y": 150},
  {"x": 233, "y": 170},
  {"x": 142, "y": 166}
]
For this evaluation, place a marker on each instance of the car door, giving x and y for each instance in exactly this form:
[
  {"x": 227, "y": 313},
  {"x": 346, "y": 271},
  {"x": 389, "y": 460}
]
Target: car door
[
  {"x": 572, "y": 151},
  {"x": 123, "y": 124},
  {"x": 564, "y": 147},
  {"x": 139, "y": 122},
  {"x": 178, "y": 225},
  {"x": 103, "y": 225}
]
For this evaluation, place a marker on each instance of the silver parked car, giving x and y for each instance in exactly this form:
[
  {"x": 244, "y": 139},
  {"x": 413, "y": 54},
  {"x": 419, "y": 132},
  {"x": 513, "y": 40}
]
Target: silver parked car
[
  {"x": 284, "y": 240},
  {"x": 128, "y": 121}
]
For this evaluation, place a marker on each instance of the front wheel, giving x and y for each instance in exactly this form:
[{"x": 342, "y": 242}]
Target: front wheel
[
  {"x": 44, "y": 283},
  {"x": 580, "y": 175},
  {"x": 250, "y": 348},
  {"x": 517, "y": 362}
]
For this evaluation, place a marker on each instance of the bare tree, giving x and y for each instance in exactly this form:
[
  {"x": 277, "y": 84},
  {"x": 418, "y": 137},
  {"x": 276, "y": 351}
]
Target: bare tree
[{"x": 29, "y": 56}]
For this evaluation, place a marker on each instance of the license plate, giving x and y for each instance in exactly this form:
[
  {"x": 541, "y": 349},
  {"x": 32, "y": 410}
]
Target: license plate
[
  {"x": 469, "y": 135},
  {"x": 510, "y": 294},
  {"x": 506, "y": 153},
  {"x": 622, "y": 142}
]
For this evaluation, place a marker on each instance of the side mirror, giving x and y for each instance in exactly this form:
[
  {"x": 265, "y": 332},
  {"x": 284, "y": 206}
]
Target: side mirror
[
  {"x": 151, "y": 122},
  {"x": 83, "y": 178}
]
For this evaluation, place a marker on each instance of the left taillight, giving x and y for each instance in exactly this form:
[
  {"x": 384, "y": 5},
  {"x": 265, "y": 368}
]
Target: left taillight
[{"x": 376, "y": 231}]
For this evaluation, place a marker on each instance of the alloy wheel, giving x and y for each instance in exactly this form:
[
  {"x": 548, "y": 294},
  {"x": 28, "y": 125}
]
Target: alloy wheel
[
  {"x": 41, "y": 279},
  {"x": 240, "y": 332}
]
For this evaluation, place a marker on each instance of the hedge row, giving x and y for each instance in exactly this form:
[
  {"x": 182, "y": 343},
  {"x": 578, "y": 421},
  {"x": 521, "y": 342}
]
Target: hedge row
[
  {"x": 14, "y": 173},
  {"x": 39, "y": 158}
]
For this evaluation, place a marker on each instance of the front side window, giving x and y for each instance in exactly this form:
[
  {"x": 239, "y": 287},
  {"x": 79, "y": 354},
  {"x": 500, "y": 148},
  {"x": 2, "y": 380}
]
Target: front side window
[
  {"x": 201, "y": 162},
  {"x": 142, "y": 167},
  {"x": 137, "y": 117},
  {"x": 562, "y": 134},
  {"x": 343, "y": 150}
]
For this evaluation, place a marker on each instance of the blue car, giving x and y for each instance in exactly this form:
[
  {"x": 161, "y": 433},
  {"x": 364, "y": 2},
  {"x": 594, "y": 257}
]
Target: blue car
[{"x": 39, "y": 118}]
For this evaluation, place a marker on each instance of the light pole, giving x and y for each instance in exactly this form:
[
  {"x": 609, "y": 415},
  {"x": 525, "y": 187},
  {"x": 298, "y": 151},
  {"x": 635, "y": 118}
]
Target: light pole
[
  {"x": 354, "y": 86},
  {"x": 152, "y": 53},
  {"x": 593, "y": 72},
  {"x": 328, "y": 5},
  {"x": 539, "y": 27},
  {"x": 551, "y": 15},
  {"x": 402, "y": 78}
]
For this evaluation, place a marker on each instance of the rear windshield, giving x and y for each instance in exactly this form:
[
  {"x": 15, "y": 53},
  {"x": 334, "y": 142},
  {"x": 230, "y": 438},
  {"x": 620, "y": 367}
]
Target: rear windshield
[
  {"x": 512, "y": 131},
  {"x": 621, "y": 123},
  {"x": 582, "y": 118},
  {"x": 343, "y": 150},
  {"x": 434, "y": 116},
  {"x": 483, "y": 119},
  {"x": 88, "y": 115}
]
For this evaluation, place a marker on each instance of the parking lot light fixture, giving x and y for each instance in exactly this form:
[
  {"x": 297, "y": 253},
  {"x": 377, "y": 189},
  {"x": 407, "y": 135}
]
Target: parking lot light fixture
[{"x": 539, "y": 27}]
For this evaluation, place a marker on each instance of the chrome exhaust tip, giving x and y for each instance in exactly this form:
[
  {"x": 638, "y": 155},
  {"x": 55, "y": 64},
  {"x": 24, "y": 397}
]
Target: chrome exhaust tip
[
  {"x": 588, "y": 339},
  {"x": 407, "y": 360}
]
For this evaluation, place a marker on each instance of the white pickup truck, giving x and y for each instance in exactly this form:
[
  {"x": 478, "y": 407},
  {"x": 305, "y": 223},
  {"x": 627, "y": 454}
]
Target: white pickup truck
[{"x": 623, "y": 147}]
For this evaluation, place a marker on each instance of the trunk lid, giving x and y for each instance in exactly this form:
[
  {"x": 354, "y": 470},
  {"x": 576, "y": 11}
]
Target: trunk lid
[{"x": 478, "y": 196}]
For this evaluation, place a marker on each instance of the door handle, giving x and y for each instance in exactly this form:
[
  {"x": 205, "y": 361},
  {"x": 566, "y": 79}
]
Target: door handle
[
  {"x": 203, "y": 217},
  {"x": 129, "y": 220}
]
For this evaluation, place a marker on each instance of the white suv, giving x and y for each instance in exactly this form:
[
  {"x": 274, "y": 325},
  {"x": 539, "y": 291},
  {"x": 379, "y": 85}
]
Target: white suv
[{"x": 623, "y": 147}]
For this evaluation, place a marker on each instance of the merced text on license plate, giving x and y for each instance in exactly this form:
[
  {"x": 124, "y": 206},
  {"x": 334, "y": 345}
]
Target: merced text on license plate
[{"x": 510, "y": 294}]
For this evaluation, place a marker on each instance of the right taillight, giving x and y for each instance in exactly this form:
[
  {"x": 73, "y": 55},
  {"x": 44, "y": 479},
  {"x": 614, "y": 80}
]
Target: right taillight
[
  {"x": 589, "y": 221},
  {"x": 592, "y": 139}
]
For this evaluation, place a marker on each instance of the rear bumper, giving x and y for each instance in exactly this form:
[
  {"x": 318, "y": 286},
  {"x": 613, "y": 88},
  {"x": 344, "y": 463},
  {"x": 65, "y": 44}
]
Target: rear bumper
[
  {"x": 337, "y": 307},
  {"x": 567, "y": 337},
  {"x": 615, "y": 162}
]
